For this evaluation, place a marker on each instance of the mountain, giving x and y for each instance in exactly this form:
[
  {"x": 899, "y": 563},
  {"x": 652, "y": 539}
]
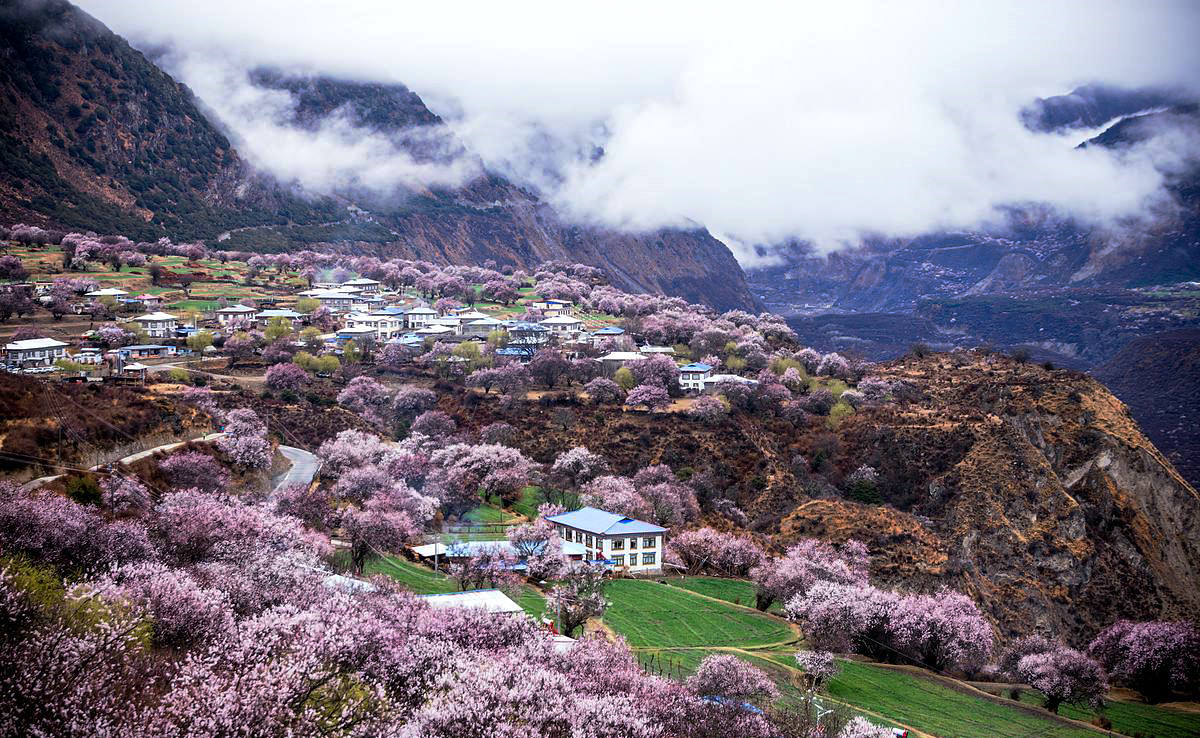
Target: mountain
[
  {"x": 1158, "y": 377},
  {"x": 1032, "y": 490},
  {"x": 1091, "y": 106},
  {"x": 95, "y": 136}
]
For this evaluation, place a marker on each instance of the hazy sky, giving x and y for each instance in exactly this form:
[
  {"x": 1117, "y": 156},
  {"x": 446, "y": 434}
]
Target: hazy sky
[{"x": 762, "y": 122}]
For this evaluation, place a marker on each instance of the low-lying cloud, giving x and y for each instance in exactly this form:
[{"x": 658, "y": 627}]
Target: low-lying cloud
[{"x": 764, "y": 124}]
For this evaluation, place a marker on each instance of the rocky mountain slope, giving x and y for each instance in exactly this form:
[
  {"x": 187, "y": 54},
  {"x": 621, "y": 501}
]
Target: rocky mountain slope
[
  {"x": 1032, "y": 490},
  {"x": 1158, "y": 377},
  {"x": 95, "y": 136}
]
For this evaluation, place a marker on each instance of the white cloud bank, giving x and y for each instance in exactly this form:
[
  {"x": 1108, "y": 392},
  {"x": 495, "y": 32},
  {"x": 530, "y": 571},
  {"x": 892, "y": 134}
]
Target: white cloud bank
[{"x": 760, "y": 121}]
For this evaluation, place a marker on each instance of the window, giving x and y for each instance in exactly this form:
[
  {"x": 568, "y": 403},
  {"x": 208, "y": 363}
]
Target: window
[
  {"x": 632, "y": 543},
  {"x": 648, "y": 558},
  {"x": 618, "y": 544},
  {"x": 619, "y": 559},
  {"x": 591, "y": 541},
  {"x": 648, "y": 542}
]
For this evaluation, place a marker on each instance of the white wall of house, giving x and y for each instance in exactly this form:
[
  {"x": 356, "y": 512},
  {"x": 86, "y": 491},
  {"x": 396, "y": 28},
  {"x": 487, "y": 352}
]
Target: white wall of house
[{"x": 634, "y": 553}]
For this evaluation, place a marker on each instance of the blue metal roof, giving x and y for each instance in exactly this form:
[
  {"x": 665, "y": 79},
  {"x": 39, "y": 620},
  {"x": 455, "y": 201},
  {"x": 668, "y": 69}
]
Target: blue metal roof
[
  {"x": 695, "y": 366},
  {"x": 610, "y": 330},
  {"x": 602, "y": 522}
]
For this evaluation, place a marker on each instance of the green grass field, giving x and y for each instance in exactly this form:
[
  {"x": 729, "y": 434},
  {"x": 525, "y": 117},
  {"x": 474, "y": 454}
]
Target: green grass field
[
  {"x": 933, "y": 708},
  {"x": 737, "y": 591},
  {"x": 486, "y": 515},
  {"x": 1133, "y": 718},
  {"x": 419, "y": 579},
  {"x": 652, "y": 615}
]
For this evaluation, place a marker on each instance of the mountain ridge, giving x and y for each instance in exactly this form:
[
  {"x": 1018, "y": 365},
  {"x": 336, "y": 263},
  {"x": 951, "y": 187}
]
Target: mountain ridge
[{"x": 97, "y": 137}]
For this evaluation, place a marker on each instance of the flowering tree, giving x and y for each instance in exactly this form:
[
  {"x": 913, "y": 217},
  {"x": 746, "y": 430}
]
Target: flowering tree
[
  {"x": 368, "y": 398},
  {"x": 578, "y": 596},
  {"x": 410, "y": 401},
  {"x": 946, "y": 629},
  {"x": 498, "y": 432},
  {"x": 1064, "y": 675},
  {"x": 123, "y": 495},
  {"x": 604, "y": 391},
  {"x": 578, "y": 466},
  {"x": 548, "y": 366},
  {"x": 709, "y": 551},
  {"x": 1156, "y": 658},
  {"x": 651, "y": 396},
  {"x": 286, "y": 376},
  {"x": 672, "y": 501},
  {"x": 194, "y": 470},
  {"x": 658, "y": 370},
  {"x": 818, "y": 666},
  {"x": 616, "y": 495},
  {"x": 312, "y": 506},
  {"x": 482, "y": 566},
  {"x": 725, "y": 675},
  {"x": 539, "y": 547},
  {"x": 245, "y": 439},
  {"x": 845, "y": 617},
  {"x": 434, "y": 423},
  {"x": 462, "y": 471},
  {"x": 804, "y": 564},
  {"x": 376, "y": 528},
  {"x": 709, "y": 409},
  {"x": 183, "y": 613}
]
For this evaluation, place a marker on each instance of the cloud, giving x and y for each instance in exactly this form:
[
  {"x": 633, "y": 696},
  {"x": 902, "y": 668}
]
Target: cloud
[
  {"x": 764, "y": 122},
  {"x": 335, "y": 155}
]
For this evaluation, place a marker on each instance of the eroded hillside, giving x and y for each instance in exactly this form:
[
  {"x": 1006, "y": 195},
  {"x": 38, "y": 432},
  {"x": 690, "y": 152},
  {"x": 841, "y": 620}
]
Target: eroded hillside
[{"x": 1032, "y": 490}]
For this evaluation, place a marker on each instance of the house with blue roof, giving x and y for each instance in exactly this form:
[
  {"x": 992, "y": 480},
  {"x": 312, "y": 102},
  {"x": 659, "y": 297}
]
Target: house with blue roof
[
  {"x": 630, "y": 544},
  {"x": 692, "y": 376}
]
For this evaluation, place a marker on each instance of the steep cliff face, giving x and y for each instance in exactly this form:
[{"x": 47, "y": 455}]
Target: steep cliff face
[
  {"x": 94, "y": 136},
  {"x": 1031, "y": 490},
  {"x": 1037, "y": 494}
]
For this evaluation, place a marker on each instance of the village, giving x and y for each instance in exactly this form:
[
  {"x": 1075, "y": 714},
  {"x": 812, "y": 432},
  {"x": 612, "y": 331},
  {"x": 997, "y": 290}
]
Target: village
[{"x": 390, "y": 408}]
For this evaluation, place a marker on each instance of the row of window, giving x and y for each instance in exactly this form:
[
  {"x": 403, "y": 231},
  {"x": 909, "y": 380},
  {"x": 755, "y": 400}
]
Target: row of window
[
  {"x": 647, "y": 558},
  {"x": 618, "y": 544}
]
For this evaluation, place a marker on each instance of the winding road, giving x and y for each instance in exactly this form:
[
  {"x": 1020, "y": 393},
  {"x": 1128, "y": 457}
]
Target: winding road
[{"x": 304, "y": 468}]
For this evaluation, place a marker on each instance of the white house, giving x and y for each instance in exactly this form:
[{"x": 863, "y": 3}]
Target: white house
[
  {"x": 368, "y": 286},
  {"x": 419, "y": 317},
  {"x": 630, "y": 544},
  {"x": 150, "y": 302},
  {"x": 263, "y": 318},
  {"x": 713, "y": 383},
  {"x": 616, "y": 359},
  {"x": 553, "y": 308},
  {"x": 562, "y": 325},
  {"x": 692, "y": 376},
  {"x": 34, "y": 352},
  {"x": 338, "y": 301},
  {"x": 384, "y": 326},
  {"x": 607, "y": 333},
  {"x": 491, "y": 601},
  {"x": 481, "y": 326},
  {"x": 106, "y": 292},
  {"x": 649, "y": 350},
  {"x": 235, "y": 313},
  {"x": 157, "y": 325}
]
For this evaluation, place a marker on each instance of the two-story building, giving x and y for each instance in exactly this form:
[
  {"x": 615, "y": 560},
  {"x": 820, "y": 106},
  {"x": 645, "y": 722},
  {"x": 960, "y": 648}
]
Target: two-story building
[
  {"x": 419, "y": 317},
  {"x": 157, "y": 325},
  {"x": 368, "y": 286},
  {"x": 692, "y": 376},
  {"x": 385, "y": 327},
  {"x": 235, "y": 314},
  {"x": 562, "y": 325},
  {"x": 34, "y": 352},
  {"x": 338, "y": 301},
  {"x": 553, "y": 308},
  {"x": 632, "y": 545}
]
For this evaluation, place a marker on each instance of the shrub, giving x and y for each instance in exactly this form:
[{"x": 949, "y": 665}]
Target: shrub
[
  {"x": 862, "y": 485},
  {"x": 84, "y": 490}
]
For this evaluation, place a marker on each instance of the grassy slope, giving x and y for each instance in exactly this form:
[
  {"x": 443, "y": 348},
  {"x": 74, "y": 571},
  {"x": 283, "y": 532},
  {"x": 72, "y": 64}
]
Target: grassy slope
[
  {"x": 1133, "y": 718},
  {"x": 738, "y": 591},
  {"x": 651, "y": 615}
]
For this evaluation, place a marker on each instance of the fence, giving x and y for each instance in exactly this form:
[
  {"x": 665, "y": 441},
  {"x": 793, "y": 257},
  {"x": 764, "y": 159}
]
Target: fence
[{"x": 658, "y": 665}]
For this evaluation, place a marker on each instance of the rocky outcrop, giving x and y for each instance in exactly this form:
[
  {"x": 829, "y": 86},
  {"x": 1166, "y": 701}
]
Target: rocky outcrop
[{"x": 1052, "y": 508}]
